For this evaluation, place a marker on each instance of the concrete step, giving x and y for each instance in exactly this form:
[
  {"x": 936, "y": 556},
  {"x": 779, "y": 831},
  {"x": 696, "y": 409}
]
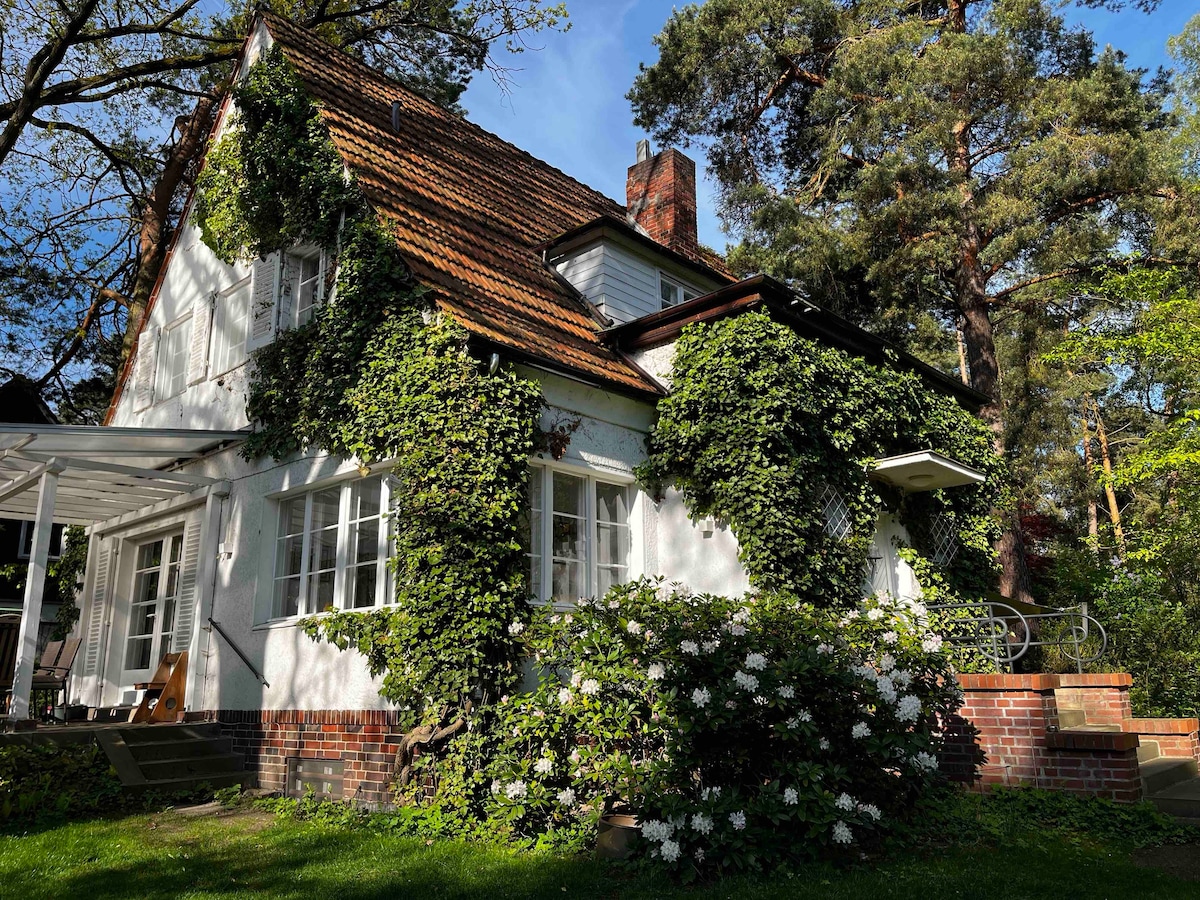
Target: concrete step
[
  {"x": 1164, "y": 772},
  {"x": 191, "y": 767},
  {"x": 184, "y": 748},
  {"x": 170, "y": 786},
  {"x": 1147, "y": 750},
  {"x": 1097, "y": 728},
  {"x": 1071, "y": 718},
  {"x": 1181, "y": 800},
  {"x": 145, "y": 734}
]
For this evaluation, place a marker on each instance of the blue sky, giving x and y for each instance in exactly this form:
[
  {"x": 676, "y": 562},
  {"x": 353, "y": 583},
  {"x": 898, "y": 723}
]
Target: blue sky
[{"x": 567, "y": 105}]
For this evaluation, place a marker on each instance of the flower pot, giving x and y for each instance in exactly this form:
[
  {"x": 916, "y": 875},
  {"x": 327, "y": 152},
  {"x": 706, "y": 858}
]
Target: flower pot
[{"x": 615, "y": 834}]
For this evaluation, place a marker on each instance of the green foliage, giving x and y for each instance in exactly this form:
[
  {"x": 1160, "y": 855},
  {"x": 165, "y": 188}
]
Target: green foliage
[
  {"x": 279, "y": 138},
  {"x": 760, "y": 422},
  {"x": 46, "y": 781},
  {"x": 378, "y": 375},
  {"x": 740, "y": 731}
]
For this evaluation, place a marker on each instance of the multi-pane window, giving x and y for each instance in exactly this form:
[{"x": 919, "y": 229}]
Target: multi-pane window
[
  {"x": 155, "y": 595},
  {"x": 577, "y": 534},
  {"x": 672, "y": 293},
  {"x": 308, "y": 287},
  {"x": 173, "y": 359},
  {"x": 230, "y": 320},
  {"x": 331, "y": 549}
]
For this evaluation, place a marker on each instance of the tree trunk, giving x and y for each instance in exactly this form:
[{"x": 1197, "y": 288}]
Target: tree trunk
[
  {"x": 155, "y": 231},
  {"x": 1114, "y": 511},
  {"x": 963, "y": 372},
  {"x": 1093, "y": 517}
]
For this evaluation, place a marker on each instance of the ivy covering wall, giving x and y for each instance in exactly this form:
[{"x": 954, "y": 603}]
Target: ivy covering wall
[
  {"x": 379, "y": 375},
  {"x": 761, "y": 423}
]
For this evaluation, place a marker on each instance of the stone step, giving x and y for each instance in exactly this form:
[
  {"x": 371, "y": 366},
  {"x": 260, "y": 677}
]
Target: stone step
[
  {"x": 1161, "y": 774},
  {"x": 171, "y": 786},
  {"x": 1071, "y": 718},
  {"x": 191, "y": 767},
  {"x": 1181, "y": 800},
  {"x": 185, "y": 748},
  {"x": 1147, "y": 749},
  {"x": 144, "y": 734}
]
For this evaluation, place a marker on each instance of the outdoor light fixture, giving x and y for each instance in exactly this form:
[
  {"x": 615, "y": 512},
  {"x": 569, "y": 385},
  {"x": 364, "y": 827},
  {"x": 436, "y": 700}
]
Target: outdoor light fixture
[{"x": 925, "y": 470}]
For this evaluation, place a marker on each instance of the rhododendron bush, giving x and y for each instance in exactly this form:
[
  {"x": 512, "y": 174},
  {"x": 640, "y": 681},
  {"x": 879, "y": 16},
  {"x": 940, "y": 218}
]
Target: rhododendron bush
[{"x": 741, "y": 732}]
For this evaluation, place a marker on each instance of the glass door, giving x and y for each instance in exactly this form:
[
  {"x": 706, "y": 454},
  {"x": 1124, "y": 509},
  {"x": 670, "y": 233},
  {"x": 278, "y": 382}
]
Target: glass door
[{"x": 155, "y": 594}]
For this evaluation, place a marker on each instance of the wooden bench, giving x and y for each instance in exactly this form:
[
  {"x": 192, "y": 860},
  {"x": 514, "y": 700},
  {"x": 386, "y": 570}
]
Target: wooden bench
[{"x": 162, "y": 700}]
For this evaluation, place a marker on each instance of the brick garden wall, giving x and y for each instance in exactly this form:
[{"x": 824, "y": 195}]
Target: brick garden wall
[
  {"x": 364, "y": 740},
  {"x": 1008, "y": 733}
]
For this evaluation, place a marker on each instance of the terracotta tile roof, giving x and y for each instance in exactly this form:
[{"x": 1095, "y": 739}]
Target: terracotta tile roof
[{"x": 470, "y": 211}]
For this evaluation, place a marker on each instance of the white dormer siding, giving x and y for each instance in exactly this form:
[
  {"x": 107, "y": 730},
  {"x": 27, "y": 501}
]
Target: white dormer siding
[{"x": 624, "y": 282}]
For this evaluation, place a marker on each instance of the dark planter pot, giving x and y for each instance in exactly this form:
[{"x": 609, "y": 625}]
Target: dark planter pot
[{"x": 615, "y": 836}]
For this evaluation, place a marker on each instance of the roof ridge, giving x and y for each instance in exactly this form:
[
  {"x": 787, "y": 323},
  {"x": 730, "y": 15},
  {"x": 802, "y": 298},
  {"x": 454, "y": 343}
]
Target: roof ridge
[{"x": 274, "y": 19}]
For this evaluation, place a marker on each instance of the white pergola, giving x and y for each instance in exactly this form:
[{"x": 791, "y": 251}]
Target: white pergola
[{"x": 90, "y": 475}]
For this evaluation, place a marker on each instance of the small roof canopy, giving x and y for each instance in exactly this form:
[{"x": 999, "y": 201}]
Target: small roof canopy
[
  {"x": 925, "y": 470},
  {"x": 103, "y": 472}
]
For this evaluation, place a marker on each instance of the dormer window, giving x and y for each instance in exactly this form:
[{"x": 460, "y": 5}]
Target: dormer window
[{"x": 672, "y": 293}]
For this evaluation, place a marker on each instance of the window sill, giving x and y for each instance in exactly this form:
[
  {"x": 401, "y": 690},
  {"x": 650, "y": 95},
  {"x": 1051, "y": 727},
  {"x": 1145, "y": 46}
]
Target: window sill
[{"x": 293, "y": 621}]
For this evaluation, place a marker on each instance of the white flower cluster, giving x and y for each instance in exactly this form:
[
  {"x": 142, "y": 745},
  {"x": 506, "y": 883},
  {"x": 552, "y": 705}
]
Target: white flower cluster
[
  {"x": 745, "y": 681},
  {"x": 634, "y": 627},
  {"x": 885, "y": 688},
  {"x": 710, "y": 792},
  {"x": 670, "y": 851},
  {"x": 710, "y": 646},
  {"x": 790, "y": 797},
  {"x": 823, "y": 743},
  {"x": 656, "y": 672},
  {"x": 564, "y": 696},
  {"x": 690, "y": 648},
  {"x": 887, "y": 662},
  {"x": 865, "y": 672},
  {"x": 516, "y": 791},
  {"x": 909, "y": 708},
  {"x": 657, "y": 831},
  {"x": 826, "y": 649},
  {"x": 544, "y": 766},
  {"x": 701, "y": 696},
  {"x": 737, "y": 820},
  {"x": 841, "y": 833},
  {"x": 903, "y": 677},
  {"x": 875, "y": 614},
  {"x": 845, "y": 802},
  {"x": 932, "y": 643},
  {"x": 870, "y": 809},
  {"x": 701, "y": 823},
  {"x": 567, "y": 796},
  {"x": 860, "y": 730},
  {"x": 786, "y": 691},
  {"x": 890, "y": 637},
  {"x": 756, "y": 662},
  {"x": 590, "y": 687},
  {"x": 925, "y": 761},
  {"x": 516, "y": 628}
]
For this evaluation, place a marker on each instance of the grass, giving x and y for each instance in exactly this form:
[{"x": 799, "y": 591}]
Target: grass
[{"x": 250, "y": 853}]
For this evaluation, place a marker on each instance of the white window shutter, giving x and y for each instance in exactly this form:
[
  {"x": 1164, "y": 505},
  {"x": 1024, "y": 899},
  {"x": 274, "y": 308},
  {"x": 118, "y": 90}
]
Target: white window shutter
[
  {"x": 198, "y": 351},
  {"x": 264, "y": 292},
  {"x": 288, "y": 282},
  {"x": 189, "y": 581},
  {"x": 95, "y": 625},
  {"x": 324, "y": 295},
  {"x": 145, "y": 369}
]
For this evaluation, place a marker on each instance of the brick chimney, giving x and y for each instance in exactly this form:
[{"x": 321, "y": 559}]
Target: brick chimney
[{"x": 660, "y": 192}]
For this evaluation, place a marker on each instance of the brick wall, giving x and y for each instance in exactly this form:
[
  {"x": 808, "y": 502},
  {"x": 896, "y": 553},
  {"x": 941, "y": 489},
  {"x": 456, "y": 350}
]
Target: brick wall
[
  {"x": 1007, "y": 733},
  {"x": 364, "y": 740},
  {"x": 1103, "y": 698},
  {"x": 1174, "y": 737}
]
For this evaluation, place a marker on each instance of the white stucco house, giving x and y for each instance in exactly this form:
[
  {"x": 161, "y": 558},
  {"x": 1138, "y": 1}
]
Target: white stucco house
[{"x": 584, "y": 294}]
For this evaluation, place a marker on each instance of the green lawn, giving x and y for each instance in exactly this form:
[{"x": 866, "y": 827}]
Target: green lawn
[{"x": 251, "y": 854}]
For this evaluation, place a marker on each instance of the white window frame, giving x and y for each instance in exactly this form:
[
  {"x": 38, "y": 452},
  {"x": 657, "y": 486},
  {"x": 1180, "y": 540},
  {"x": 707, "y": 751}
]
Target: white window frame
[
  {"x": 384, "y": 584},
  {"x": 634, "y": 565},
  {"x": 164, "y": 378},
  {"x": 56, "y": 547},
  {"x": 302, "y": 255},
  {"x": 218, "y": 344},
  {"x": 683, "y": 290}
]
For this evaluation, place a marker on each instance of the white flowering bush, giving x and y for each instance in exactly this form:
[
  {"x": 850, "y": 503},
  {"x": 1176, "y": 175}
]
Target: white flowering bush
[{"x": 740, "y": 731}]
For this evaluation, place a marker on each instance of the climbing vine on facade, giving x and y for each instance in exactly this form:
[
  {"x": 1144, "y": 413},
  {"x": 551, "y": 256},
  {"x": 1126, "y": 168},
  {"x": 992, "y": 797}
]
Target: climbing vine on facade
[
  {"x": 379, "y": 375},
  {"x": 774, "y": 434}
]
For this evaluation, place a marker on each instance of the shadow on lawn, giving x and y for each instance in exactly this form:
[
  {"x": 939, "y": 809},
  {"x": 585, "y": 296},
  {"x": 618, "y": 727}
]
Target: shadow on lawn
[{"x": 333, "y": 863}]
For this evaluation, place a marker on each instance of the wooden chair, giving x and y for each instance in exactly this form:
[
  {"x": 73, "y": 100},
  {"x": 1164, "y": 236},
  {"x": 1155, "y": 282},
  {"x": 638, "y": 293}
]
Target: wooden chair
[
  {"x": 162, "y": 700},
  {"x": 51, "y": 675}
]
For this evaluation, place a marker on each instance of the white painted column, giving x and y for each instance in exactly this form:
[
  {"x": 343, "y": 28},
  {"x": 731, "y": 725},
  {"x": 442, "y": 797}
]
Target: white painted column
[
  {"x": 210, "y": 539},
  {"x": 35, "y": 585}
]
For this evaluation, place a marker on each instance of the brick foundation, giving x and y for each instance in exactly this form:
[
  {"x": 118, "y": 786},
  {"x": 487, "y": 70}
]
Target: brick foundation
[
  {"x": 364, "y": 740},
  {"x": 1007, "y": 733}
]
